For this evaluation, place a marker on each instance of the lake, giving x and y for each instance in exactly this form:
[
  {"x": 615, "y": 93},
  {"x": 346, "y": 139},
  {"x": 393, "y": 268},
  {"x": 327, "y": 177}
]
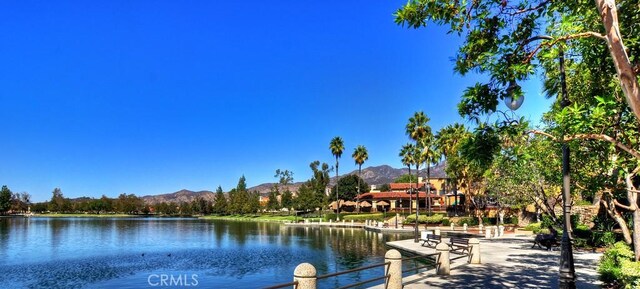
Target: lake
[{"x": 141, "y": 252}]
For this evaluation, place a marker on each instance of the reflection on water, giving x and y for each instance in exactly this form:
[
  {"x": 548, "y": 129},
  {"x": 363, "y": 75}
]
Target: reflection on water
[{"x": 125, "y": 252}]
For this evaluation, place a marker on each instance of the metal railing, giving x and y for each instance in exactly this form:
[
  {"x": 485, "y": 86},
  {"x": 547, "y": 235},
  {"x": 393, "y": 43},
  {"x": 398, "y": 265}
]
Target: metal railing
[
  {"x": 416, "y": 268},
  {"x": 384, "y": 277},
  {"x": 305, "y": 274},
  {"x": 294, "y": 283},
  {"x": 357, "y": 270}
]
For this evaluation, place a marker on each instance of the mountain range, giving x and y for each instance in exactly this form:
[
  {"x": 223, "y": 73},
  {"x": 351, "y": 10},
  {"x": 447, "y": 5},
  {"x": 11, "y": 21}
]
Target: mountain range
[{"x": 377, "y": 175}]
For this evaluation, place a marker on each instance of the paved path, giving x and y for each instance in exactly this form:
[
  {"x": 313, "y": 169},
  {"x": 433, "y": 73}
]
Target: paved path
[{"x": 507, "y": 262}]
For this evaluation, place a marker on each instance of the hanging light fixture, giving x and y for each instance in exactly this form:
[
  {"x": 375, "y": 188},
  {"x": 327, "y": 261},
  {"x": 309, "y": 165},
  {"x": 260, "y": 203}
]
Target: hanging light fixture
[{"x": 512, "y": 90}]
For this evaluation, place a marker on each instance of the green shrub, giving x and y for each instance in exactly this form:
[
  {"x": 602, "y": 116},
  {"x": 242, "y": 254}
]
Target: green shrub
[
  {"x": 579, "y": 242},
  {"x": 332, "y": 216},
  {"x": 603, "y": 239},
  {"x": 512, "y": 220},
  {"x": 616, "y": 265},
  {"x": 547, "y": 221},
  {"x": 489, "y": 221},
  {"x": 534, "y": 227},
  {"x": 422, "y": 219},
  {"x": 582, "y": 231},
  {"x": 446, "y": 222},
  {"x": 582, "y": 203},
  {"x": 363, "y": 217},
  {"x": 471, "y": 221},
  {"x": 630, "y": 272}
]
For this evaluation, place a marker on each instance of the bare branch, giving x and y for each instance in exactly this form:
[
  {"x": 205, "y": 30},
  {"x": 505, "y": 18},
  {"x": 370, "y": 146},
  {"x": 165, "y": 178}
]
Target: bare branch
[
  {"x": 626, "y": 73},
  {"x": 603, "y": 137},
  {"x": 561, "y": 38},
  {"x": 628, "y": 208},
  {"x": 535, "y": 131}
]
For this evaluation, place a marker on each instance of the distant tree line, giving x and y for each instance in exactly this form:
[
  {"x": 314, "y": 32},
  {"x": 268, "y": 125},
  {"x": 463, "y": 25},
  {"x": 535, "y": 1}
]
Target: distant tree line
[
  {"x": 13, "y": 202},
  {"x": 123, "y": 204},
  {"x": 311, "y": 195}
]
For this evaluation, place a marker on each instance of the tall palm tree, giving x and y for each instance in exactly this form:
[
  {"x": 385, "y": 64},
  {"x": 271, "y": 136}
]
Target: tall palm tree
[
  {"x": 448, "y": 140},
  {"x": 360, "y": 155},
  {"x": 418, "y": 129},
  {"x": 337, "y": 147},
  {"x": 430, "y": 155},
  {"x": 407, "y": 153}
]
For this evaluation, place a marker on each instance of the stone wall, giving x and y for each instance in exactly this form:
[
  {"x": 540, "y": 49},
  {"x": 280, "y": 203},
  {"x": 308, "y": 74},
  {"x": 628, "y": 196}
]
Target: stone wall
[{"x": 586, "y": 213}]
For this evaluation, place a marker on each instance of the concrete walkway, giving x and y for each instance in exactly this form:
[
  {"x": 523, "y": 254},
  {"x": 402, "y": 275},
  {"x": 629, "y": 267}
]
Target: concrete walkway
[{"x": 507, "y": 262}]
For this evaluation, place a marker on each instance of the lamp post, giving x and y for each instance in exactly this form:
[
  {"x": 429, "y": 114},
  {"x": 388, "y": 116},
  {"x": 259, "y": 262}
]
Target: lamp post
[
  {"x": 567, "y": 270},
  {"x": 415, "y": 229}
]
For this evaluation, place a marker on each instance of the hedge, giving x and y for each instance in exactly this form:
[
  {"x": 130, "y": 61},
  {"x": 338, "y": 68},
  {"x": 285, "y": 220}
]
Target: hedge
[
  {"x": 423, "y": 219},
  {"x": 364, "y": 217}
]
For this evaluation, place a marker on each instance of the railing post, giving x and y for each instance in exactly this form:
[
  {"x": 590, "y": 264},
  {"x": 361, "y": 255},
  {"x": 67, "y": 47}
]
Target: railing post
[
  {"x": 487, "y": 232},
  {"x": 437, "y": 231},
  {"x": 394, "y": 270},
  {"x": 452, "y": 225},
  {"x": 305, "y": 274},
  {"x": 443, "y": 259},
  {"x": 464, "y": 227},
  {"x": 500, "y": 230},
  {"x": 474, "y": 252}
]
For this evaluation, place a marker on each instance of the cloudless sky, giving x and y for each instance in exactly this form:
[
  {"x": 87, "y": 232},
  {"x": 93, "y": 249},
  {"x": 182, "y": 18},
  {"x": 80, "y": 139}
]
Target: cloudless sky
[{"x": 150, "y": 97}]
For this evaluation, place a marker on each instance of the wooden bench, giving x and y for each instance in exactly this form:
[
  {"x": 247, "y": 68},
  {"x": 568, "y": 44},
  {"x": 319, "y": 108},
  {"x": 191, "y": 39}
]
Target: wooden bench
[
  {"x": 546, "y": 240},
  {"x": 431, "y": 240},
  {"x": 459, "y": 245}
]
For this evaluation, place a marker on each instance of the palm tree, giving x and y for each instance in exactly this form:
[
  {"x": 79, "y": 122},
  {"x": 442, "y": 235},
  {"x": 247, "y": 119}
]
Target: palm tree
[
  {"x": 360, "y": 155},
  {"x": 418, "y": 130},
  {"x": 447, "y": 141},
  {"x": 337, "y": 147},
  {"x": 407, "y": 153},
  {"x": 430, "y": 156}
]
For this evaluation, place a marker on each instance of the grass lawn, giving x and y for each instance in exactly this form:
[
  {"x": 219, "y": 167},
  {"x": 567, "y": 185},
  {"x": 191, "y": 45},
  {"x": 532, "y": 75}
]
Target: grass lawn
[
  {"x": 262, "y": 218},
  {"x": 85, "y": 215}
]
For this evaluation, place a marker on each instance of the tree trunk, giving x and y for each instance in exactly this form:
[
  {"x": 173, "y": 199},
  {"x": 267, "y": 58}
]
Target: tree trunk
[
  {"x": 632, "y": 197},
  {"x": 337, "y": 193},
  {"x": 636, "y": 235},
  {"x": 358, "y": 197},
  {"x": 624, "y": 68}
]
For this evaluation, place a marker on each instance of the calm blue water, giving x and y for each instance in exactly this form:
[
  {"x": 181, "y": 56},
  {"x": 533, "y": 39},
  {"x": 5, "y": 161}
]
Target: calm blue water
[{"x": 140, "y": 252}]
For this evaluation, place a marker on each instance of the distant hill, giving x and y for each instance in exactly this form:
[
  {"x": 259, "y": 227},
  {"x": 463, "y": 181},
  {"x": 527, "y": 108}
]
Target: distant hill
[
  {"x": 385, "y": 174},
  {"x": 179, "y": 196},
  {"x": 263, "y": 189},
  {"x": 378, "y": 175}
]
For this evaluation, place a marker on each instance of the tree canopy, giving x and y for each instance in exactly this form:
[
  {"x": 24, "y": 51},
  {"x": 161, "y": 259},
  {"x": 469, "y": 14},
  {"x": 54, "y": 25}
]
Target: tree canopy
[
  {"x": 348, "y": 186},
  {"x": 512, "y": 41}
]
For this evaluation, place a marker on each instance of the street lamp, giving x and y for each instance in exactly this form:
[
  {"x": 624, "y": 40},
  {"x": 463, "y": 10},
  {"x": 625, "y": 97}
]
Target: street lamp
[
  {"x": 415, "y": 229},
  {"x": 567, "y": 270}
]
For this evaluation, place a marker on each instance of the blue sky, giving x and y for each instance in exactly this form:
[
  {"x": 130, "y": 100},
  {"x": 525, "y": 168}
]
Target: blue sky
[{"x": 150, "y": 97}]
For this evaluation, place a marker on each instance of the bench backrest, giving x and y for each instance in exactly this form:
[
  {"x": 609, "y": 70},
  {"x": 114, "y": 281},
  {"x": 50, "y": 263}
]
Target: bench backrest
[
  {"x": 433, "y": 237},
  {"x": 460, "y": 241}
]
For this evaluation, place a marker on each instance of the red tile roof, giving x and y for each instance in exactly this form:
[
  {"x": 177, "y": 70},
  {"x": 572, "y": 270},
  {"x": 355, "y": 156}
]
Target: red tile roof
[{"x": 395, "y": 195}]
